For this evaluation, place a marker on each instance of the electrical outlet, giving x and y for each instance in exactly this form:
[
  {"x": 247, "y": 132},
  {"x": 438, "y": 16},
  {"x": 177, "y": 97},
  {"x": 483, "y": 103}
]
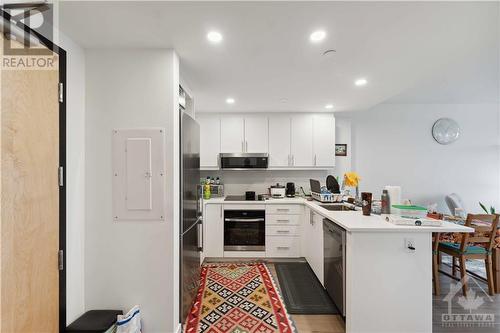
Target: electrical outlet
[{"x": 410, "y": 245}]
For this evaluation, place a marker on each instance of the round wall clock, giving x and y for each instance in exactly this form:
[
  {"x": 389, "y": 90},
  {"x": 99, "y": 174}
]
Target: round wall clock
[{"x": 445, "y": 131}]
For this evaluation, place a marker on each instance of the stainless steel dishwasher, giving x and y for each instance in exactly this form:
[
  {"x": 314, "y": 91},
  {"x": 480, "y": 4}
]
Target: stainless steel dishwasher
[{"x": 334, "y": 263}]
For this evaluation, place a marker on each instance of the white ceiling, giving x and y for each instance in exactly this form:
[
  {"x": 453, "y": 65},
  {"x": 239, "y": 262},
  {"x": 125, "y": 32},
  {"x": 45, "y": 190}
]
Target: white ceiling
[{"x": 427, "y": 52}]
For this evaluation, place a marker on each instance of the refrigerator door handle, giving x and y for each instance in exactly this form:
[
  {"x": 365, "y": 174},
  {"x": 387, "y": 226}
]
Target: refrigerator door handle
[{"x": 199, "y": 227}]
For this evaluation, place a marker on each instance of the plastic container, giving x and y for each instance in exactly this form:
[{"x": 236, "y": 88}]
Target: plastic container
[{"x": 409, "y": 211}]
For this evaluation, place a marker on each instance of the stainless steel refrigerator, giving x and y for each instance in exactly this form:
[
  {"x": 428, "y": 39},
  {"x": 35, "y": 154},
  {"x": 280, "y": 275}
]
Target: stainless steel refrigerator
[{"x": 191, "y": 236}]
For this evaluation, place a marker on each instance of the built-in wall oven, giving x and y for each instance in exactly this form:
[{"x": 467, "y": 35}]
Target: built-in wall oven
[{"x": 244, "y": 230}]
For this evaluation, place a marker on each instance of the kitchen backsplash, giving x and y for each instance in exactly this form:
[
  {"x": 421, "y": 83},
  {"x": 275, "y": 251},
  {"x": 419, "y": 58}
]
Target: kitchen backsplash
[{"x": 237, "y": 182}]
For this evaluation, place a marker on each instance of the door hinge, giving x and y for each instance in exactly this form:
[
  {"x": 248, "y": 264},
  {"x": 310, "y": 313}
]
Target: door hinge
[
  {"x": 60, "y": 260},
  {"x": 61, "y": 176},
  {"x": 61, "y": 92}
]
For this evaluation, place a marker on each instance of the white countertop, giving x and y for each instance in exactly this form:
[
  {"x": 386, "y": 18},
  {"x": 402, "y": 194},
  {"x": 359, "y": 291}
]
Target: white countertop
[{"x": 352, "y": 221}]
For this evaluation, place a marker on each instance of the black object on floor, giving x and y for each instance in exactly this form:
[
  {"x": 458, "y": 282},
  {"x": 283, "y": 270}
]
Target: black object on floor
[
  {"x": 94, "y": 321},
  {"x": 302, "y": 291}
]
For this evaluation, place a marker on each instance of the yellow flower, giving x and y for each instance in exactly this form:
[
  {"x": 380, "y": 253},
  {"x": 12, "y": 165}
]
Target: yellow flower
[{"x": 351, "y": 179}]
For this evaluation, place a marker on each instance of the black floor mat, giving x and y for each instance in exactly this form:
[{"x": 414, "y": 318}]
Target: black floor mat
[{"x": 302, "y": 291}]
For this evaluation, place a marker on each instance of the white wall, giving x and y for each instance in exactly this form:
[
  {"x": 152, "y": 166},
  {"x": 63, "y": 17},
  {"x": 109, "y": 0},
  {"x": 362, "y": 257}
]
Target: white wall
[
  {"x": 393, "y": 145},
  {"x": 75, "y": 177},
  {"x": 135, "y": 262}
]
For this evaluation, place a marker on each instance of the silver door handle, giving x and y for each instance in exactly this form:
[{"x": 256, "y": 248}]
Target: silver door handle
[
  {"x": 282, "y": 220},
  {"x": 283, "y": 231},
  {"x": 246, "y": 146},
  {"x": 243, "y": 220},
  {"x": 242, "y": 147},
  {"x": 314, "y": 159},
  {"x": 200, "y": 236},
  {"x": 283, "y": 247}
]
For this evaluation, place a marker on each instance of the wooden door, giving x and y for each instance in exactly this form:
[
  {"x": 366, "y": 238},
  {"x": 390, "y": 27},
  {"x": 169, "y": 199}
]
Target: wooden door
[
  {"x": 29, "y": 200},
  {"x": 209, "y": 140},
  {"x": 279, "y": 141},
  {"x": 256, "y": 134},
  {"x": 232, "y": 138},
  {"x": 324, "y": 140},
  {"x": 302, "y": 141}
]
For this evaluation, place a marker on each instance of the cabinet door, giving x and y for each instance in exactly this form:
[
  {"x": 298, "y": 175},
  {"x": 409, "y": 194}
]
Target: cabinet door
[
  {"x": 256, "y": 134},
  {"x": 209, "y": 140},
  {"x": 213, "y": 231},
  {"x": 232, "y": 134},
  {"x": 302, "y": 141},
  {"x": 316, "y": 249},
  {"x": 279, "y": 141},
  {"x": 324, "y": 140}
]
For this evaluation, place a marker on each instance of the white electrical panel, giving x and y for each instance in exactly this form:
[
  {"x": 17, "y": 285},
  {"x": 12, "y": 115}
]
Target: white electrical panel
[{"x": 139, "y": 174}]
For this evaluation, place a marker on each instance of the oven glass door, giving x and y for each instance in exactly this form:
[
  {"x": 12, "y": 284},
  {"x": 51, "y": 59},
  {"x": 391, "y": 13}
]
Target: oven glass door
[{"x": 244, "y": 230}]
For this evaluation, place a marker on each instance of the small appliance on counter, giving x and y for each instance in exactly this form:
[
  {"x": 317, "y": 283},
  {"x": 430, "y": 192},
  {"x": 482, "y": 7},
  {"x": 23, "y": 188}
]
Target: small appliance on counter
[
  {"x": 277, "y": 191},
  {"x": 250, "y": 195},
  {"x": 290, "y": 190}
]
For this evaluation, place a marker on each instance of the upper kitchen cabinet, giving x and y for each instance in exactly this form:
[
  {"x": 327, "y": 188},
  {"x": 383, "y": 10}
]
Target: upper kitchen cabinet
[
  {"x": 210, "y": 140},
  {"x": 279, "y": 141},
  {"x": 302, "y": 141},
  {"x": 324, "y": 140},
  {"x": 256, "y": 134},
  {"x": 232, "y": 132},
  {"x": 244, "y": 134}
]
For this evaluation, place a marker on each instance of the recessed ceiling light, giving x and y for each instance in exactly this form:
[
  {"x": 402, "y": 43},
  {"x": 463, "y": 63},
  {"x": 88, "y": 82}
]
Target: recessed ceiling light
[
  {"x": 230, "y": 100},
  {"x": 317, "y": 36},
  {"x": 329, "y": 106},
  {"x": 214, "y": 36},
  {"x": 360, "y": 82}
]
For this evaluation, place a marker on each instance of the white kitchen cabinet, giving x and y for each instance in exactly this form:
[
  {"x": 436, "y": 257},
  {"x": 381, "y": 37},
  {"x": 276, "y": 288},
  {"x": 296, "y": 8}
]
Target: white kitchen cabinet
[
  {"x": 232, "y": 134},
  {"x": 256, "y": 134},
  {"x": 313, "y": 243},
  {"x": 324, "y": 140},
  {"x": 279, "y": 141},
  {"x": 209, "y": 140},
  {"x": 213, "y": 231},
  {"x": 302, "y": 140}
]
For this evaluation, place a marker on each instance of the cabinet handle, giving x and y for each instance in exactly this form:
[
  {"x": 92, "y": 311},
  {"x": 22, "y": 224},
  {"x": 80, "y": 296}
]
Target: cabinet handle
[
  {"x": 283, "y": 209},
  {"x": 221, "y": 211},
  {"x": 242, "y": 147},
  {"x": 314, "y": 159},
  {"x": 283, "y": 247},
  {"x": 293, "y": 160},
  {"x": 283, "y": 231},
  {"x": 246, "y": 146},
  {"x": 282, "y": 220}
]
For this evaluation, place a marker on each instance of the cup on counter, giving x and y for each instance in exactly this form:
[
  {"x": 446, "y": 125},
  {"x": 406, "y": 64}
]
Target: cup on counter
[{"x": 366, "y": 202}]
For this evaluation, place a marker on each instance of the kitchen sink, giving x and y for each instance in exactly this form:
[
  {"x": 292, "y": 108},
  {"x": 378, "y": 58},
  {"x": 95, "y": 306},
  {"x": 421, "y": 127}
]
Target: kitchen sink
[{"x": 337, "y": 207}]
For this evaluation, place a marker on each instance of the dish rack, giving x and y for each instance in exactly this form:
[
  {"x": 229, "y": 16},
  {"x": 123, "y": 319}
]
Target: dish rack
[{"x": 326, "y": 197}]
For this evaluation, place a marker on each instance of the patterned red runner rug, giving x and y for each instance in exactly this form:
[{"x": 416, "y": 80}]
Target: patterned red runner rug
[{"x": 238, "y": 298}]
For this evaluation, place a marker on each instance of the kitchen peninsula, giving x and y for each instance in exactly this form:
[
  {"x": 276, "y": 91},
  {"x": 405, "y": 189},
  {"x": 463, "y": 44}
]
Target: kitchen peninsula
[{"x": 387, "y": 268}]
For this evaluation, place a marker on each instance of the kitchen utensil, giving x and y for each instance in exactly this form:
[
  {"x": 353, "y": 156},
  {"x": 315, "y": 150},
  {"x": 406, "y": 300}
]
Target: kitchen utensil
[
  {"x": 290, "y": 190},
  {"x": 366, "y": 202},
  {"x": 332, "y": 184}
]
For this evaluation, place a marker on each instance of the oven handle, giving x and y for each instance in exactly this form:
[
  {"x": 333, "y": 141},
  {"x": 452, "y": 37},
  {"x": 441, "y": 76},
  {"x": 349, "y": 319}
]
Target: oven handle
[{"x": 244, "y": 220}]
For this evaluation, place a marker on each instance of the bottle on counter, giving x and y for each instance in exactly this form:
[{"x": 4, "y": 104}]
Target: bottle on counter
[
  {"x": 217, "y": 181},
  {"x": 386, "y": 202},
  {"x": 206, "y": 189}
]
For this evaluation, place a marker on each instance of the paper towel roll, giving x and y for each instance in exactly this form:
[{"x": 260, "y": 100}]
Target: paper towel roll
[{"x": 394, "y": 194}]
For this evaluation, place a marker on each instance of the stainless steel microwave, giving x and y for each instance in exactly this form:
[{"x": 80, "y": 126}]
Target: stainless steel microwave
[{"x": 244, "y": 161}]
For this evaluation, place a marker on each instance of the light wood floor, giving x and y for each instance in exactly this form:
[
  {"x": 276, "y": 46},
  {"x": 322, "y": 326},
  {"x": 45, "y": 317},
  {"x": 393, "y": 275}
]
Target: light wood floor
[{"x": 313, "y": 323}]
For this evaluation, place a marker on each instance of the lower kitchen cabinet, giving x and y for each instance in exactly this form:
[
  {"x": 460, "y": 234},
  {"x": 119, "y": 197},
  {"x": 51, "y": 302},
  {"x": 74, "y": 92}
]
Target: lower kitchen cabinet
[
  {"x": 213, "y": 231},
  {"x": 313, "y": 243},
  {"x": 283, "y": 246}
]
